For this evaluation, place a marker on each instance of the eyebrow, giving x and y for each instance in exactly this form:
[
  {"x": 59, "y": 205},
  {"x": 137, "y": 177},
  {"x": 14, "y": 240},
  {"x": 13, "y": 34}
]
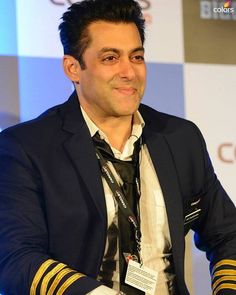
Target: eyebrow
[{"x": 118, "y": 51}]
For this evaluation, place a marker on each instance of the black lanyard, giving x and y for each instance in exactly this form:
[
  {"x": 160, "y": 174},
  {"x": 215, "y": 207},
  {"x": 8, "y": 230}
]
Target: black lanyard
[{"x": 119, "y": 195}]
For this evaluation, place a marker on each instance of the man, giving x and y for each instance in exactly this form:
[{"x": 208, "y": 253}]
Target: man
[{"x": 71, "y": 223}]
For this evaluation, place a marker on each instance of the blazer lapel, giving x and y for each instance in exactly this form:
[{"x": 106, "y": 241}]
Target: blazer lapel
[
  {"x": 165, "y": 169},
  {"x": 79, "y": 147},
  {"x": 80, "y": 151}
]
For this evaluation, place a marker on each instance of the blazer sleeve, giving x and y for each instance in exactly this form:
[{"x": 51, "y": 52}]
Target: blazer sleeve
[
  {"x": 25, "y": 264},
  {"x": 215, "y": 230}
]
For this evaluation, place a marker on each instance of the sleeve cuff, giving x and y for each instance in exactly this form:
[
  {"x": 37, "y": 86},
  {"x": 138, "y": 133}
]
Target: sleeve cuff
[
  {"x": 53, "y": 277},
  {"x": 224, "y": 277}
]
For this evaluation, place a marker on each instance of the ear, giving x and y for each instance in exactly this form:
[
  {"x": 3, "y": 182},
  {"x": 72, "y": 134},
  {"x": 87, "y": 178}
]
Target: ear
[{"x": 71, "y": 68}]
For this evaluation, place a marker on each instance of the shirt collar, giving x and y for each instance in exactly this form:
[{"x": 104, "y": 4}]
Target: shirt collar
[{"x": 138, "y": 125}]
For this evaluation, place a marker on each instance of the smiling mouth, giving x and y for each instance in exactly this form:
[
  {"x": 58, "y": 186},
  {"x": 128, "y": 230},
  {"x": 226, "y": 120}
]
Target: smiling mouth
[{"x": 126, "y": 90}]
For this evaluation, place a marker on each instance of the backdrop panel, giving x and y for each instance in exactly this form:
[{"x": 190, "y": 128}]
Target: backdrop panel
[
  {"x": 165, "y": 99},
  {"x": 42, "y": 85},
  {"x": 164, "y": 31},
  {"x": 37, "y": 28},
  {"x": 8, "y": 23},
  {"x": 9, "y": 83},
  {"x": 210, "y": 102},
  {"x": 212, "y": 39}
]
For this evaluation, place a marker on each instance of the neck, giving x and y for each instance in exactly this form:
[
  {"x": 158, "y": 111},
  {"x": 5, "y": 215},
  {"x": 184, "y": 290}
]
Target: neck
[{"x": 118, "y": 130}]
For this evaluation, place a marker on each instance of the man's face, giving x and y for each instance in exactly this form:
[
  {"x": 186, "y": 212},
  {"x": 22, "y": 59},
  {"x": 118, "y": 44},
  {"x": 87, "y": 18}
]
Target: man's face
[{"x": 113, "y": 82}]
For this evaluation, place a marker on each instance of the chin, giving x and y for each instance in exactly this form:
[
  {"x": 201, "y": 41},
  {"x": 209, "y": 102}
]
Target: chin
[{"x": 128, "y": 112}]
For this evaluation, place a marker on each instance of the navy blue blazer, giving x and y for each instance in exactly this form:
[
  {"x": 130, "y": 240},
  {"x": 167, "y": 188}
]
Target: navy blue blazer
[{"x": 52, "y": 205}]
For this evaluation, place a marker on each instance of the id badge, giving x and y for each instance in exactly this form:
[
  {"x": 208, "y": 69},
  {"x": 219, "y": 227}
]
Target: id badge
[{"x": 141, "y": 277}]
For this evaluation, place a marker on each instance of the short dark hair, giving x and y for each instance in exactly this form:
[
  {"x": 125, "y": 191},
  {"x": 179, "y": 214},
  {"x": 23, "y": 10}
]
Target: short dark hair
[{"x": 75, "y": 21}]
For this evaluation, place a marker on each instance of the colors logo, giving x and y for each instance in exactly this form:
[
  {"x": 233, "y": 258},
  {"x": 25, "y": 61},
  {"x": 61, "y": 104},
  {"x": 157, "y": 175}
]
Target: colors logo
[
  {"x": 214, "y": 9},
  {"x": 226, "y": 8}
]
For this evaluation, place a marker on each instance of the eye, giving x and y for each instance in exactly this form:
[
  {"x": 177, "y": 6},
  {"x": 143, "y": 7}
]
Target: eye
[
  {"x": 138, "y": 58},
  {"x": 110, "y": 59}
]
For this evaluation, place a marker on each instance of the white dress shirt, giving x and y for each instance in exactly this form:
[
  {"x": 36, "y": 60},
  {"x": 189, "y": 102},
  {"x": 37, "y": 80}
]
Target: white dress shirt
[{"x": 155, "y": 243}]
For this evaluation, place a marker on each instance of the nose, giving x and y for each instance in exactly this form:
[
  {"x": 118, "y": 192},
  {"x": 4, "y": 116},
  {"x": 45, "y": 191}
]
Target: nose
[{"x": 126, "y": 69}]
